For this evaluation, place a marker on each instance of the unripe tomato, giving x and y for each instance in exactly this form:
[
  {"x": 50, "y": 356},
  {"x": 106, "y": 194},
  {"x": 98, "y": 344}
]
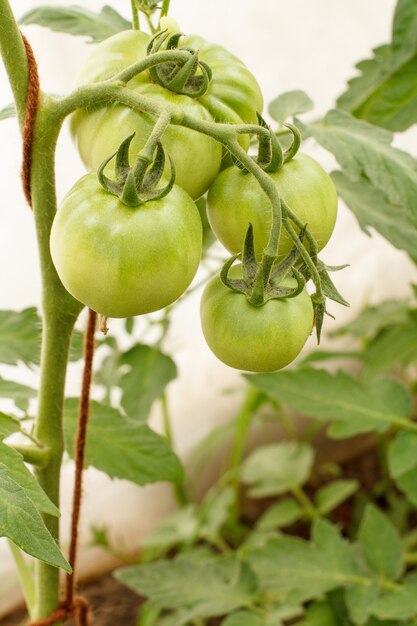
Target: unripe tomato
[
  {"x": 235, "y": 199},
  {"x": 233, "y": 96},
  {"x": 122, "y": 261},
  {"x": 256, "y": 339}
]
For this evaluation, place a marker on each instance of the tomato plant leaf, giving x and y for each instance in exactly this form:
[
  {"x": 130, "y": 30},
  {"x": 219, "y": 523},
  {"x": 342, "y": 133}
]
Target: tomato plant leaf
[
  {"x": 277, "y": 468},
  {"x": 214, "y": 513},
  {"x": 402, "y": 463},
  {"x": 19, "y": 473},
  {"x": 364, "y": 150},
  {"x": 203, "y": 589},
  {"x": 372, "y": 209},
  {"x": 150, "y": 372},
  {"x": 179, "y": 528},
  {"x": 8, "y": 111},
  {"x": 289, "y": 104},
  {"x": 381, "y": 544},
  {"x": 372, "y": 319},
  {"x": 398, "y": 604},
  {"x": 76, "y": 20},
  {"x": 330, "y": 496},
  {"x": 359, "y": 600},
  {"x": 280, "y": 514},
  {"x": 303, "y": 570},
  {"x": 20, "y": 337},
  {"x": 244, "y": 618},
  {"x": 20, "y": 394},
  {"x": 320, "y": 614},
  {"x": 122, "y": 448},
  {"x": 8, "y": 425},
  {"x": 395, "y": 346},
  {"x": 385, "y": 93},
  {"x": 21, "y": 522},
  {"x": 352, "y": 405}
]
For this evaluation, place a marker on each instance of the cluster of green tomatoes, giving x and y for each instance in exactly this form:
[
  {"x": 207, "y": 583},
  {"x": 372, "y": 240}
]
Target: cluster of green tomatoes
[{"x": 124, "y": 243}]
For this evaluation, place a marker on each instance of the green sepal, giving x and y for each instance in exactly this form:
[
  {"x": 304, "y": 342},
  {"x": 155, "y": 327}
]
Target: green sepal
[
  {"x": 319, "y": 307},
  {"x": 327, "y": 285},
  {"x": 138, "y": 184},
  {"x": 122, "y": 159},
  {"x": 157, "y": 194},
  {"x": 233, "y": 284},
  {"x": 181, "y": 78},
  {"x": 270, "y": 153},
  {"x": 296, "y": 143},
  {"x": 281, "y": 269},
  {"x": 249, "y": 263}
]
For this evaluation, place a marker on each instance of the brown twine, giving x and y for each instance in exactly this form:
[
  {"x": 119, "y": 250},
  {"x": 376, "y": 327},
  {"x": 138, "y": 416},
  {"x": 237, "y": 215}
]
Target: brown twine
[
  {"x": 29, "y": 121},
  {"x": 73, "y": 605}
]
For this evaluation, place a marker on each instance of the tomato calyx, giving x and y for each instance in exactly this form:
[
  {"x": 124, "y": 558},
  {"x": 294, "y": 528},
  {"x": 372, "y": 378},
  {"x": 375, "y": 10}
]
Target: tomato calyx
[
  {"x": 271, "y": 156},
  {"x": 260, "y": 282},
  {"x": 138, "y": 184},
  {"x": 190, "y": 78}
]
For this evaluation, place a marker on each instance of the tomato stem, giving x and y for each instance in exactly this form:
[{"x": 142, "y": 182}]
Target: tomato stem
[
  {"x": 13, "y": 52},
  {"x": 165, "y": 8},
  {"x": 135, "y": 16},
  {"x": 60, "y": 312}
]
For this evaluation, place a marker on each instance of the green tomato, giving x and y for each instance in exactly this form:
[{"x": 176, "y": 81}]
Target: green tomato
[
  {"x": 236, "y": 199},
  {"x": 122, "y": 261},
  {"x": 256, "y": 339},
  {"x": 233, "y": 96}
]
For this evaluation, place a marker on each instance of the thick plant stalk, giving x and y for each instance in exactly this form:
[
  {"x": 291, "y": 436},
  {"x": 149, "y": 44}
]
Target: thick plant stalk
[{"x": 60, "y": 312}]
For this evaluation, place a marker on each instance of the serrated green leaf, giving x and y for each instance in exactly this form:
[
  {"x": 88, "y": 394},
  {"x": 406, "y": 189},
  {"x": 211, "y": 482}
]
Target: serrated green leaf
[
  {"x": 372, "y": 210},
  {"x": 400, "y": 604},
  {"x": 320, "y": 614},
  {"x": 365, "y": 151},
  {"x": 385, "y": 92},
  {"x": 289, "y": 104},
  {"x": 402, "y": 454},
  {"x": 277, "y": 468},
  {"x": 203, "y": 589},
  {"x": 76, "y": 20},
  {"x": 8, "y": 425},
  {"x": 381, "y": 544},
  {"x": 20, "y": 337},
  {"x": 301, "y": 570},
  {"x": 122, "y": 448},
  {"x": 18, "y": 472},
  {"x": 21, "y": 522},
  {"x": 359, "y": 600},
  {"x": 179, "y": 528},
  {"x": 280, "y": 514},
  {"x": 373, "y": 319},
  {"x": 395, "y": 346},
  {"x": 214, "y": 513},
  {"x": 353, "y": 406},
  {"x": 20, "y": 394},
  {"x": 150, "y": 372},
  {"x": 8, "y": 111},
  {"x": 244, "y": 618},
  {"x": 330, "y": 496},
  {"x": 402, "y": 463}
]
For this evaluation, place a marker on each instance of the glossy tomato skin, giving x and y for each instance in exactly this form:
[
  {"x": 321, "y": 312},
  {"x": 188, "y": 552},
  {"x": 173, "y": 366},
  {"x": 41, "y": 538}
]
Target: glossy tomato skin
[
  {"x": 236, "y": 198},
  {"x": 233, "y": 96},
  {"x": 122, "y": 261},
  {"x": 256, "y": 339}
]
